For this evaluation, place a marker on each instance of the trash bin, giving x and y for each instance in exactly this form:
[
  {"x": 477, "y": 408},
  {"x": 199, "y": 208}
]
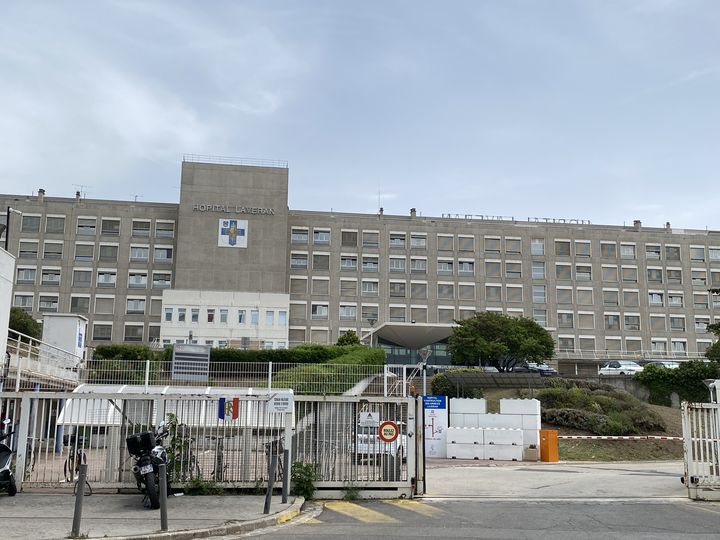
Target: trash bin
[{"x": 549, "y": 445}]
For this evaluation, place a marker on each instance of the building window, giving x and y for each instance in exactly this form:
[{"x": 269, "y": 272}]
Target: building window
[
  {"x": 110, "y": 227},
  {"x": 164, "y": 229},
  {"x": 24, "y": 301},
  {"x": 269, "y": 318},
  {"x": 701, "y": 324},
  {"x": 397, "y": 314},
  {"x": 612, "y": 322},
  {"x": 254, "y": 317},
  {"x": 700, "y": 300},
  {"x": 610, "y": 298},
  {"x": 194, "y": 315},
  {"x": 537, "y": 247},
  {"x": 370, "y": 288},
  {"x": 135, "y": 305},
  {"x": 562, "y": 248},
  {"x": 419, "y": 241},
  {"x": 282, "y": 318},
  {"x": 493, "y": 269},
  {"x": 181, "y": 314},
  {"x": 466, "y": 291},
  {"x": 51, "y": 276},
  {"x": 106, "y": 278},
  {"x": 321, "y": 236},
  {"x": 321, "y": 262},
  {"x": 677, "y": 324},
  {"x": 137, "y": 280},
  {"x": 298, "y": 261},
  {"x": 397, "y": 264},
  {"x": 30, "y": 224},
  {"x": 349, "y": 238},
  {"x": 538, "y": 270},
  {"x": 493, "y": 293},
  {"x": 445, "y": 242},
  {"x": 48, "y": 304},
  {"x": 655, "y": 299},
  {"x": 348, "y": 313},
  {"x": 242, "y": 316},
  {"x": 585, "y": 297},
  {"x": 133, "y": 332},
  {"x": 540, "y": 317},
  {"x": 139, "y": 253},
  {"x": 445, "y": 267},
  {"x": 82, "y": 278},
  {"x": 675, "y": 299},
  {"x": 466, "y": 268},
  {"x": 299, "y": 236},
  {"x": 26, "y": 275},
  {"x": 565, "y": 320},
  {"x": 563, "y": 271},
  {"x": 370, "y": 264},
  {"x": 699, "y": 277},
  {"x": 608, "y": 250},
  {"x": 102, "y": 332},
  {"x": 513, "y": 270},
  {"x": 714, "y": 254},
  {"x": 163, "y": 254},
  {"x": 679, "y": 347},
  {"x": 538, "y": 294},
  {"x": 418, "y": 266},
  {"x": 319, "y": 312},
  {"x": 28, "y": 249},
  {"x": 514, "y": 294},
  {"x": 632, "y": 322},
  {"x": 348, "y": 263},
  {"x": 168, "y": 314},
  {"x": 652, "y": 252},
  {"x": 446, "y": 315},
  {"x": 161, "y": 280},
  {"x": 654, "y": 275},
  {"x": 492, "y": 245},
  {"x": 141, "y": 229},
  {"x": 583, "y": 272},
  {"x": 674, "y": 276},
  {"x": 108, "y": 253},
  {"x": 55, "y": 224},
  {"x": 84, "y": 252},
  {"x": 627, "y": 251},
  {"x": 79, "y": 304},
  {"x": 86, "y": 226},
  {"x": 418, "y": 290},
  {"x": 320, "y": 286},
  {"x": 629, "y": 274},
  {"x": 564, "y": 295},
  {"x": 369, "y": 312},
  {"x": 609, "y": 274},
  {"x": 348, "y": 287},
  {"x": 513, "y": 246},
  {"x": 397, "y": 289},
  {"x": 397, "y": 240},
  {"x": 697, "y": 254},
  {"x": 672, "y": 253},
  {"x": 370, "y": 239},
  {"x": 445, "y": 291},
  {"x": 582, "y": 248},
  {"x": 211, "y": 315}
]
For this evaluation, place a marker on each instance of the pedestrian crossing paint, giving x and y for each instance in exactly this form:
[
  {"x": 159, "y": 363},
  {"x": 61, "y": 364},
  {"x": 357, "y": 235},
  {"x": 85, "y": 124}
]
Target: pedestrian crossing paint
[
  {"x": 381, "y": 512},
  {"x": 358, "y": 512}
]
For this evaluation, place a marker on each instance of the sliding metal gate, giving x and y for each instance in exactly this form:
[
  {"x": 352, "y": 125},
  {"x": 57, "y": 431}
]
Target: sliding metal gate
[
  {"x": 223, "y": 442},
  {"x": 701, "y": 440}
]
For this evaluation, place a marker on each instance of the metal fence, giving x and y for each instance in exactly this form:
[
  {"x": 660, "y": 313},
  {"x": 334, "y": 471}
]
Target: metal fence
[
  {"x": 226, "y": 442},
  {"x": 701, "y": 435}
]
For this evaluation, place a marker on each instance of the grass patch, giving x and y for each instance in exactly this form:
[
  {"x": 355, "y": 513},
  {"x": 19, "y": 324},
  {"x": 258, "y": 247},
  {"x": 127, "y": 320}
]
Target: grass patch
[{"x": 588, "y": 450}]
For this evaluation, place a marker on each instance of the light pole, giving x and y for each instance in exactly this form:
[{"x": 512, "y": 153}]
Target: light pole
[
  {"x": 7, "y": 225},
  {"x": 372, "y": 321}
]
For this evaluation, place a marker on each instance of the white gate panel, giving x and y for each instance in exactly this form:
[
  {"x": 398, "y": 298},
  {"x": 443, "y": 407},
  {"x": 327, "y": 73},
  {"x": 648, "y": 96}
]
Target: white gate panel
[{"x": 701, "y": 440}]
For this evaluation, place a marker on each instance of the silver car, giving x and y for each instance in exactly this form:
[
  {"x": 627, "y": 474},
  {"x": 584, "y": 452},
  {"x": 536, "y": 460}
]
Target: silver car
[{"x": 620, "y": 367}]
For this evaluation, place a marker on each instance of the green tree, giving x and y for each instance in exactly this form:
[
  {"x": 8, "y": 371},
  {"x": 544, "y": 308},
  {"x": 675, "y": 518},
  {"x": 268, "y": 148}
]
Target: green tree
[
  {"x": 493, "y": 339},
  {"x": 21, "y": 321},
  {"x": 349, "y": 338},
  {"x": 713, "y": 351}
]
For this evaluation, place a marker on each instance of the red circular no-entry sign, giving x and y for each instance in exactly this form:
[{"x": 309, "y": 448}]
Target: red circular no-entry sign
[{"x": 388, "y": 432}]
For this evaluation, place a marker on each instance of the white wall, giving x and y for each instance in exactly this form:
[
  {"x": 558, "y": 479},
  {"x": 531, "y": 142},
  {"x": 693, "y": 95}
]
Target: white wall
[
  {"x": 7, "y": 273},
  {"x": 232, "y": 330},
  {"x": 65, "y": 331}
]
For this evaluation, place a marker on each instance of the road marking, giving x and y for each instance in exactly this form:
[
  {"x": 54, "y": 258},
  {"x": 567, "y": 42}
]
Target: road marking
[
  {"x": 416, "y": 506},
  {"x": 693, "y": 505},
  {"x": 360, "y": 513}
]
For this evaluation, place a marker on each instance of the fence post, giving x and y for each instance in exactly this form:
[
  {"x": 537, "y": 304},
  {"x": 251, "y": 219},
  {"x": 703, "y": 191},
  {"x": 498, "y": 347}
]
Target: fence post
[
  {"x": 287, "y": 457},
  {"x": 18, "y": 371},
  {"x": 162, "y": 471},
  {"x": 147, "y": 374},
  {"x": 79, "y": 494},
  {"x": 270, "y": 375},
  {"x": 271, "y": 480},
  {"x": 385, "y": 370},
  {"x": 404, "y": 394},
  {"x": 22, "y": 437}
]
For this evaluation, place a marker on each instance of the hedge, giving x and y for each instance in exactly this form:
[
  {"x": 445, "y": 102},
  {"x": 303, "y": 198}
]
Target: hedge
[
  {"x": 686, "y": 381},
  {"x": 126, "y": 352},
  {"x": 303, "y": 354}
]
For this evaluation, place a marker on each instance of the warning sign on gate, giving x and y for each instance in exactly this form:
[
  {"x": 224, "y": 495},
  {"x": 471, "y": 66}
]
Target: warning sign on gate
[{"x": 388, "y": 432}]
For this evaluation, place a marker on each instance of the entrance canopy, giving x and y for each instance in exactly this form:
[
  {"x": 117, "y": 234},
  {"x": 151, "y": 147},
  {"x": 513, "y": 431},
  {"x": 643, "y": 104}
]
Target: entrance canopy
[{"x": 413, "y": 335}]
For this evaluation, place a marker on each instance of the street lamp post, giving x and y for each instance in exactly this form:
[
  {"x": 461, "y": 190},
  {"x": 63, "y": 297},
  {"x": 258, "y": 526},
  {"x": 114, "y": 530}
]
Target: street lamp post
[
  {"x": 372, "y": 322},
  {"x": 7, "y": 225}
]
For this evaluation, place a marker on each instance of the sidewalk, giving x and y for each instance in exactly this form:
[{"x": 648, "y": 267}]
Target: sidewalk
[{"x": 49, "y": 516}]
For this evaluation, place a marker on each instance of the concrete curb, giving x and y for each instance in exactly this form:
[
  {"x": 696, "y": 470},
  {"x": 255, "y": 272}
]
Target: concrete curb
[{"x": 231, "y": 527}]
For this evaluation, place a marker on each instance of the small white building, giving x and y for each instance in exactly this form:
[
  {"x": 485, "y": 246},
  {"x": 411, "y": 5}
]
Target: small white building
[
  {"x": 7, "y": 271},
  {"x": 225, "y": 318}
]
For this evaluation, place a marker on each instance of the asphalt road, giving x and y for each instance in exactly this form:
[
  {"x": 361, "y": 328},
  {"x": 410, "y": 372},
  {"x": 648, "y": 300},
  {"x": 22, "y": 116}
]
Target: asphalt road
[{"x": 483, "y": 518}]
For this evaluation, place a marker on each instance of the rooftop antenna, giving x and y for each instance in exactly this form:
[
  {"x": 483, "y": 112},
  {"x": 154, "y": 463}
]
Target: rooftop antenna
[
  {"x": 81, "y": 189},
  {"x": 137, "y": 196},
  {"x": 379, "y": 200}
]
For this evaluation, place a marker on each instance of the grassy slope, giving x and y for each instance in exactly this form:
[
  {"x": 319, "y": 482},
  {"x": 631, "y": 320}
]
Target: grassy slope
[{"x": 598, "y": 450}]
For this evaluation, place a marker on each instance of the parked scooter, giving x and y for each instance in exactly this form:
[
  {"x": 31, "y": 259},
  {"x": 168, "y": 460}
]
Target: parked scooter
[
  {"x": 148, "y": 450},
  {"x": 7, "y": 477}
]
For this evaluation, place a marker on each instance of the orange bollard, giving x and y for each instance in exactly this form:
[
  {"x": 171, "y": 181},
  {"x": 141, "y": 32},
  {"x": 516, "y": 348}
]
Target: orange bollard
[{"x": 549, "y": 445}]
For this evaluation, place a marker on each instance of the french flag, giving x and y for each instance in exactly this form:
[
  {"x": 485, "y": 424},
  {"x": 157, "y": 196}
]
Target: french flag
[{"x": 228, "y": 409}]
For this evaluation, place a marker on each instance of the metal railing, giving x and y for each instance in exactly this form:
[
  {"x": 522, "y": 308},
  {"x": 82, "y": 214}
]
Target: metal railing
[
  {"x": 226, "y": 160},
  {"x": 701, "y": 436},
  {"x": 579, "y": 354}
]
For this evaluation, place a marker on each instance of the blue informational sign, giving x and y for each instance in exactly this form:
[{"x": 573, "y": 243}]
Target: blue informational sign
[
  {"x": 436, "y": 424},
  {"x": 435, "y": 402}
]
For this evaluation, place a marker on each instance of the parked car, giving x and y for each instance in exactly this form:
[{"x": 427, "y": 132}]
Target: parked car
[
  {"x": 669, "y": 364},
  {"x": 620, "y": 367},
  {"x": 531, "y": 367}
]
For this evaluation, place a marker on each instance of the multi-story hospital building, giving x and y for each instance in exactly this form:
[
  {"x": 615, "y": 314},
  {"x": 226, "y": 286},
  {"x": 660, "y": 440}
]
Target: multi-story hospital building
[{"x": 231, "y": 264}]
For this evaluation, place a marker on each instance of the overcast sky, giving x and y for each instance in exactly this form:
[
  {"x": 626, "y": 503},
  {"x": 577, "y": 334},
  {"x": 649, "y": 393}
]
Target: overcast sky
[{"x": 600, "y": 110}]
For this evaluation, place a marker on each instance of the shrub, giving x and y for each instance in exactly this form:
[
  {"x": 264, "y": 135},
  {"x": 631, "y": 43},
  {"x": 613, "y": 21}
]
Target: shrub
[
  {"x": 125, "y": 352},
  {"x": 303, "y": 354},
  {"x": 303, "y": 478},
  {"x": 685, "y": 380},
  {"x": 440, "y": 385}
]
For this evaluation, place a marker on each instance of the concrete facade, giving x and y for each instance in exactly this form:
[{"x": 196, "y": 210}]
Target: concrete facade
[{"x": 595, "y": 287}]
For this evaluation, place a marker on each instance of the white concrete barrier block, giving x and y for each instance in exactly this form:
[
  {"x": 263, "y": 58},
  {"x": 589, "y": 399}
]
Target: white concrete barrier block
[
  {"x": 465, "y": 436},
  {"x": 470, "y": 420},
  {"x": 468, "y": 406},
  {"x": 456, "y": 420},
  {"x": 531, "y": 421},
  {"x": 508, "y": 421},
  {"x": 503, "y": 452},
  {"x": 465, "y": 451},
  {"x": 531, "y": 436},
  {"x": 504, "y": 436},
  {"x": 519, "y": 406}
]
